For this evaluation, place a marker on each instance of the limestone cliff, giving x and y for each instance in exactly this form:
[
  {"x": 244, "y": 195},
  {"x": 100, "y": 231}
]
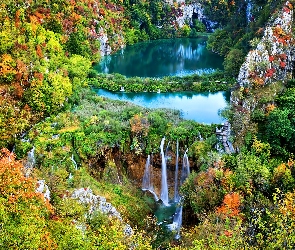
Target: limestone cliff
[{"x": 273, "y": 57}]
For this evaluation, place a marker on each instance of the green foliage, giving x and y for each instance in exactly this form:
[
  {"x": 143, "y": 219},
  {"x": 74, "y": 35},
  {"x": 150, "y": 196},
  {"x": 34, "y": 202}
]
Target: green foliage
[
  {"x": 214, "y": 82},
  {"x": 219, "y": 42},
  {"x": 233, "y": 62},
  {"x": 199, "y": 26},
  {"x": 202, "y": 191}
]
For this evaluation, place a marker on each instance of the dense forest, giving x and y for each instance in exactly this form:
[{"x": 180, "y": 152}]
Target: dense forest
[{"x": 71, "y": 161}]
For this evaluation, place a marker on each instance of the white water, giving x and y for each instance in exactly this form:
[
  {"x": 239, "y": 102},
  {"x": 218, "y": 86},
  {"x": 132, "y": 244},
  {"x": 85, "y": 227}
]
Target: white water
[
  {"x": 74, "y": 162},
  {"x": 147, "y": 179},
  {"x": 164, "y": 182},
  {"x": 249, "y": 9},
  {"x": 147, "y": 185},
  {"x": 30, "y": 163},
  {"x": 176, "y": 195},
  {"x": 185, "y": 168},
  {"x": 177, "y": 222}
]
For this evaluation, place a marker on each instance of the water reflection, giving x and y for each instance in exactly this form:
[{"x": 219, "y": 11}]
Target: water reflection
[
  {"x": 178, "y": 57},
  {"x": 199, "y": 107}
]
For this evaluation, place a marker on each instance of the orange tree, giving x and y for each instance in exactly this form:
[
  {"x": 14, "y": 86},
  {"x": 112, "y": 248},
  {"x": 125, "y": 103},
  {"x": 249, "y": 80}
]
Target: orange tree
[{"x": 23, "y": 212}]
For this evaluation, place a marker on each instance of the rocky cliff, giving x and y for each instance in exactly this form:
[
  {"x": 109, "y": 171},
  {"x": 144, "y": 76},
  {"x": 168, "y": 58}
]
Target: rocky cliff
[{"x": 272, "y": 58}]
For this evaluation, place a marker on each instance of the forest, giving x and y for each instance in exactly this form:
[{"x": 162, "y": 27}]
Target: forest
[{"x": 71, "y": 161}]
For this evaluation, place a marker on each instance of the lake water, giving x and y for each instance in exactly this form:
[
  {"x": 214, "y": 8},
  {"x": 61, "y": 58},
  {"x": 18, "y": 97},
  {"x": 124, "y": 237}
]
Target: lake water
[
  {"x": 202, "y": 108},
  {"x": 170, "y": 57}
]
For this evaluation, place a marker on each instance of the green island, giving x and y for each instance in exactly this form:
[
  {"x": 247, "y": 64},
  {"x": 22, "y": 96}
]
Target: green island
[{"x": 82, "y": 171}]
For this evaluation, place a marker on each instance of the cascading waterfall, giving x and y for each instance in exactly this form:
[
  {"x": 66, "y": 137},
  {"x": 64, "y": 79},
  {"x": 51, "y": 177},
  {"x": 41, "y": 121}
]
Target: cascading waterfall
[
  {"x": 185, "y": 171},
  {"x": 74, "y": 162},
  {"x": 164, "y": 182},
  {"x": 176, "y": 195},
  {"x": 177, "y": 221},
  {"x": 249, "y": 9},
  {"x": 147, "y": 179},
  {"x": 147, "y": 185},
  {"x": 166, "y": 152}
]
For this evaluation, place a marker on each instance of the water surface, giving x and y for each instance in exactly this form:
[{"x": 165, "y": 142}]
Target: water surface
[
  {"x": 202, "y": 108},
  {"x": 169, "y": 57}
]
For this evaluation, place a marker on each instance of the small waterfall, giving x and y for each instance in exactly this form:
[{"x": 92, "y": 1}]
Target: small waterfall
[
  {"x": 177, "y": 219},
  {"x": 166, "y": 151},
  {"x": 176, "y": 195},
  {"x": 249, "y": 9},
  {"x": 164, "y": 184},
  {"x": 185, "y": 171},
  {"x": 147, "y": 179},
  {"x": 30, "y": 163},
  {"x": 177, "y": 222},
  {"x": 74, "y": 162}
]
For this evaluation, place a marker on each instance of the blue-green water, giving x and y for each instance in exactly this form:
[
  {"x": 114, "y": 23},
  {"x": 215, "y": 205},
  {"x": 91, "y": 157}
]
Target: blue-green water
[
  {"x": 202, "y": 108},
  {"x": 171, "y": 57}
]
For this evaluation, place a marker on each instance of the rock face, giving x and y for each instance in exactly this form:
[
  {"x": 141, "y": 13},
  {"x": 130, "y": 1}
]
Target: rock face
[
  {"x": 96, "y": 202},
  {"x": 273, "y": 57},
  {"x": 43, "y": 189},
  {"x": 188, "y": 11},
  {"x": 191, "y": 11},
  {"x": 223, "y": 135}
]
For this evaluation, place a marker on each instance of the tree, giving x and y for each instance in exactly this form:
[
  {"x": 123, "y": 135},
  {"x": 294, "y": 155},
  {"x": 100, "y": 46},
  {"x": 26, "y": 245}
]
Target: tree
[{"x": 233, "y": 62}]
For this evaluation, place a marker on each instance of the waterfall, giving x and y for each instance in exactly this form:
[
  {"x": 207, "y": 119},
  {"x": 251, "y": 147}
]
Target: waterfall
[
  {"x": 249, "y": 9},
  {"x": 164, "y": 185},
  {"x": 177, "y": 203},
  {"x": 166, "y": 151},
  {"x": 147, "y": 179},
  {"x": 30, "y": 163},
  {"x": 185, "y": 171},
  {"x": 176, "y": 195},
  {"x": 74, "y": 162},
  {"x": 185, "y": 168},
  {"x": 177, "y": 222}
]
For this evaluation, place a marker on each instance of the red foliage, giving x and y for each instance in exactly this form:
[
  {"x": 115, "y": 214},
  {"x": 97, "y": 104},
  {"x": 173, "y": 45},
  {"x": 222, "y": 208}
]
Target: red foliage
[
  {"x": 271, "y": 58},
  {"x": 286, "y": 9},
  {"x": 282, "y": 64},
  {"x": 228, "y": 233},
  {"x": 230, "y": 206},
  {"x": 17, "y": 19},
  {"x": 39, "y": 51},
  {"x": 14, "y": 185},
  {"x": 18, "y": 91},
  {"x": 270, "y": 72},
  {"x": 39, "y": 76},
  {"x": 283, "y": 56}
]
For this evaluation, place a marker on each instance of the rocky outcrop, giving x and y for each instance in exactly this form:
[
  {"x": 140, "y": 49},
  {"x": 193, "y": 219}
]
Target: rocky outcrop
[
  {"x": 223, "y": 136},
  {"x": 189, "y": 11},
  {"x": 273, "y": 57},
  {"x": 43, "y": 189},
  {"x": 96, "y": 202}
]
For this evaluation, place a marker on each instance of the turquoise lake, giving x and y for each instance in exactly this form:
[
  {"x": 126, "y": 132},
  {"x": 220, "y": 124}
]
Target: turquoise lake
[
  {"x": 202, "y": 108},
  {"x": 169, "y": 57}
]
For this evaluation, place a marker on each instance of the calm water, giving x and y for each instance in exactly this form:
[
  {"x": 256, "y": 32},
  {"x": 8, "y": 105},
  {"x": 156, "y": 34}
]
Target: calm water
[
  {"x": 171, "y": 57},
  {"x": 202, "y": 108}
]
